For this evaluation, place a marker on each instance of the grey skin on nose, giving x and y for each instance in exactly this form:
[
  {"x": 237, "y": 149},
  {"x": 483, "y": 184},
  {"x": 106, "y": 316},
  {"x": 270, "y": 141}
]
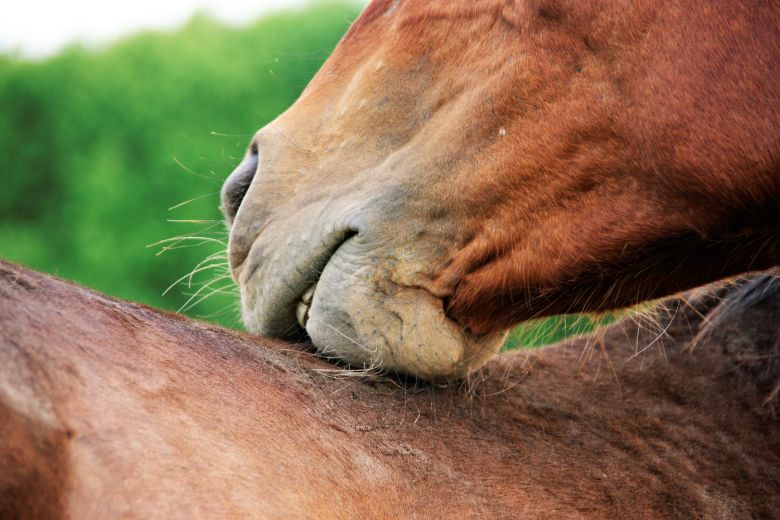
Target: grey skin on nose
[{"x": 237, "y": 184}]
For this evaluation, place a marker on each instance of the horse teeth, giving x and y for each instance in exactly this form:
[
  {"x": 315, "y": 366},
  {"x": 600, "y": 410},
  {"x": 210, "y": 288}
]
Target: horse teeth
[
  {"x": 302, "y": 313},
  {"x": 308, "y": 295}
]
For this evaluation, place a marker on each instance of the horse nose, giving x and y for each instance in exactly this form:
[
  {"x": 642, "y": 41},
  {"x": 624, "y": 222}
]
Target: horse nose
[{"x": 237, "y": 184}]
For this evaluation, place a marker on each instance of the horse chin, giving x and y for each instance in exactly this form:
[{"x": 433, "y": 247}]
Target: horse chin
[
  {"x": 400, "y": 329},
  {"x": 357, "y": 315}
]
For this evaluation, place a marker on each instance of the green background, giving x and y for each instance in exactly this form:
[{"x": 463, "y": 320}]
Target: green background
[{"x": 107, "y": 156}]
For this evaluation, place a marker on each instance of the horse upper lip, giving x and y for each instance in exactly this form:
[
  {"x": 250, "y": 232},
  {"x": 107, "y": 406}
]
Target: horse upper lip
[
  {"x": 287, "y": 287},
  {"x": 304, "y": 303}
]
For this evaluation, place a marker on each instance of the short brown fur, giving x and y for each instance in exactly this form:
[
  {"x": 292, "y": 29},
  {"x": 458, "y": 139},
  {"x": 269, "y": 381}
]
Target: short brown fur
[
  {"x": 511, "y": 159},
  {"x": 149, "y": 414}
]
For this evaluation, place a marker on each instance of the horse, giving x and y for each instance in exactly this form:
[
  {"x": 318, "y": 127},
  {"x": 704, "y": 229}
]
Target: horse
[
  {"x": 457, "y": 167},
  {"x": 111, "y": 409},
  {"x": 453, "y": 168}
]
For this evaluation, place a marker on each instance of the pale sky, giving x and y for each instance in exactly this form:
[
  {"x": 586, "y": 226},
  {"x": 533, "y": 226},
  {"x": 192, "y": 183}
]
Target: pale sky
[{"x": 36, "y": 28}]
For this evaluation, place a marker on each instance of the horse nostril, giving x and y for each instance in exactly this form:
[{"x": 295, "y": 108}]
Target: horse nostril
[{"x": 237, "y": 184}]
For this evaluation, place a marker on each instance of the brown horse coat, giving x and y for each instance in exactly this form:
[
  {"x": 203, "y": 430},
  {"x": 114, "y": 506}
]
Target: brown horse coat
[
  {"x": 111, "y": 409},
  {"x": 459, "y": 166}
]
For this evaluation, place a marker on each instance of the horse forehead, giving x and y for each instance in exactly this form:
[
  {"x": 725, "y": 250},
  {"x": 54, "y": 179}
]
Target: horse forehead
[
  {"x": 410, "y": 20},
  {"x": 420, "y": 48},
  {"x": 425, "y": 10}
]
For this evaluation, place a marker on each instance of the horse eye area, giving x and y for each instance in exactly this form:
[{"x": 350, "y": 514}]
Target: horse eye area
[{"x": 237, "y": 184}]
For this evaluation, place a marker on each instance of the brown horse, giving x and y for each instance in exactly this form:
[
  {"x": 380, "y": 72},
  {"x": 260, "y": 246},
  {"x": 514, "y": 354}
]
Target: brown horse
[
  {"x": 113, "y": 410},
  {"x": 458, "y": 166}
]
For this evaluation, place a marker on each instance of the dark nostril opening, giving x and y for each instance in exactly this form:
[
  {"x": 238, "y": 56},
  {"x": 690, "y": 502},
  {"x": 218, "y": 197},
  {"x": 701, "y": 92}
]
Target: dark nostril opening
[{"x": 238, "y": 182}]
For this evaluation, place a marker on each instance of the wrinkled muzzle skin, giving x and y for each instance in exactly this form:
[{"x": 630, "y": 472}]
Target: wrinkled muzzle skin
[{"x": 456, "y": 167}]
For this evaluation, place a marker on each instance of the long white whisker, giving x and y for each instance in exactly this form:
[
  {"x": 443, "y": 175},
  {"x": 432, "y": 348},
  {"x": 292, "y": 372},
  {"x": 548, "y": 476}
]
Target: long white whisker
[
  {"x": 190, "y": 275},
  {"x": 194, "y": 221},
  {"x": 180, "y": 204},
  {"x": 190, "y": 171},
  {"x": 189, "y": 304}
]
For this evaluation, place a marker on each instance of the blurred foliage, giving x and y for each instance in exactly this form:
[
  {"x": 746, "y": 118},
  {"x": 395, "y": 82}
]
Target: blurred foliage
[
  {"x": 537, "y": 333},
  {"x": 97, "y": 146},
  {"x": 105, "y": 153}
]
